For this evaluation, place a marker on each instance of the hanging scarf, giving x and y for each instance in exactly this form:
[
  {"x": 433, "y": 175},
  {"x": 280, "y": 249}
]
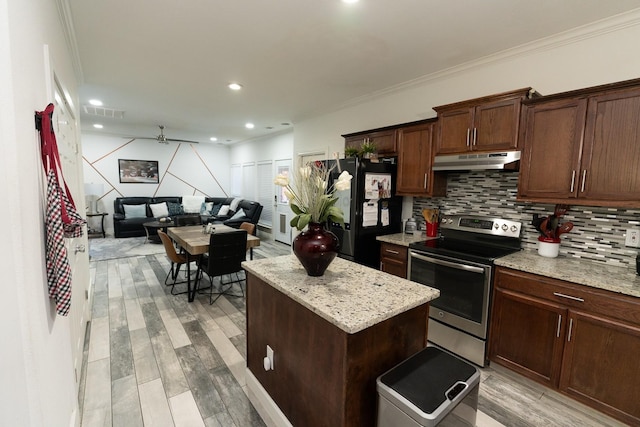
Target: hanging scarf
[{"x": 62, "y": 219}]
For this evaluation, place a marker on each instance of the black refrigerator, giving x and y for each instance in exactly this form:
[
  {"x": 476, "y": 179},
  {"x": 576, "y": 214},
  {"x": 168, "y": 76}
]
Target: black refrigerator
[{"x": 370, "y": 208}]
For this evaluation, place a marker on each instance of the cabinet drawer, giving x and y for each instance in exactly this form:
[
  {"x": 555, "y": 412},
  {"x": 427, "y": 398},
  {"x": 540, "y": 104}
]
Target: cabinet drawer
[
  {"x": 571, "y": 295},
  {"x": 397, "y": 252}
]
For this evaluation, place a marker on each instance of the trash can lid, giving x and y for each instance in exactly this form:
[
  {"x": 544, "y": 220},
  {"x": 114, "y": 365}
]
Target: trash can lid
[{"x": 424, "y": 378}]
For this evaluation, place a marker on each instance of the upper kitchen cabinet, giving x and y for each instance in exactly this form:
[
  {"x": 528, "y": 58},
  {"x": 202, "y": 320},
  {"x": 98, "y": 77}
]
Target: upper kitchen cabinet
[
  {"x": 415, "y": 158},
  {"x": 583, "y": 147},
  {"x": 384, "y": 140},
  {"x": 482, "y": 124}
]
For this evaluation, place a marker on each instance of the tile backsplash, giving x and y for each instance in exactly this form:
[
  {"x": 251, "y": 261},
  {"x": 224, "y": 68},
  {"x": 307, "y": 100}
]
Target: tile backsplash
[{"x": 598, "y": 233}]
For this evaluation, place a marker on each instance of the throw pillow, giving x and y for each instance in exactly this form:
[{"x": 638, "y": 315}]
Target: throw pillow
[
  {"x": 205, "y": 208},
  {"x": 174, "y": 209},
  {"x": 159, "y": 210},
  {"x": 191, "y": 204},
  {"x": 224, "y": 210},
  {"x": 238, "y": 215},
  {"x": 234, "y": 204},
  {"x": 215, "y": 209},
  {"x": 135, "y": 211}
]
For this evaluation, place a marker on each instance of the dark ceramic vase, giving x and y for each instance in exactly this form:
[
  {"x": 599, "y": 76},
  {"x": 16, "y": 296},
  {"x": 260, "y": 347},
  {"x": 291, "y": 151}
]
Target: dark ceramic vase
[{"x": 316, "y": 248}]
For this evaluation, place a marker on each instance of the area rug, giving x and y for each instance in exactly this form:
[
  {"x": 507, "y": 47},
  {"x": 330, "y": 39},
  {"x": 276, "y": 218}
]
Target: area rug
[{"x": 111, "y": 248}]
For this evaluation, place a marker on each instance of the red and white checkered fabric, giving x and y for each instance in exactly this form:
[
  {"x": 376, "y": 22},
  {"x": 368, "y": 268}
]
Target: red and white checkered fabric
[{"x": 62, "y": 219}]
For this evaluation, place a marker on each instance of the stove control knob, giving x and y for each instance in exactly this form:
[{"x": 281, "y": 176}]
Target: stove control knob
[
  {"x": 514, "y": 228},
  {"x": 496, "y": 226},
  {"x": 505, "y": 227}
]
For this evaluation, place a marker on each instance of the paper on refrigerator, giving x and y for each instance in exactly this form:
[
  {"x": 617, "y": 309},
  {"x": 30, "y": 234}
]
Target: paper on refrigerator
[{"x": 370, "y": 213}]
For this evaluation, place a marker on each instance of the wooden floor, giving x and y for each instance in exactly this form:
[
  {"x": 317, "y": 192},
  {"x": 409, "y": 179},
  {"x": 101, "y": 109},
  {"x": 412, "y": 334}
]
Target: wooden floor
[{"x": 152, "y": 359}]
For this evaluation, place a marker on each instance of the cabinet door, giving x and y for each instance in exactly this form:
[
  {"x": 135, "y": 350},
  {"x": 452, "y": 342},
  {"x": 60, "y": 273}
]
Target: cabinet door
[
  {"x": 600, "y": 366},
  {"x": 393, "y": 259},
  {"x": 454, "y": 131},
  {"x": 496, "y": 126},
  {"x": 611, "y": 157},
  {"x": 527, "y": 336},
  {"x": 385, "y": 141},
  {"x": 551, "y": 149},
  {"x": 354, "y": 141},
  {"x": 414, "y": 160}
]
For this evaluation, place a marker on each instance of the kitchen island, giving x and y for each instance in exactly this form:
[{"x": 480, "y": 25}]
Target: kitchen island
[{"x": 332, "y": 336}]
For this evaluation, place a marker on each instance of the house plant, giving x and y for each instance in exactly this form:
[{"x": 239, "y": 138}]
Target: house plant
[{"x": 313, "y": 201}]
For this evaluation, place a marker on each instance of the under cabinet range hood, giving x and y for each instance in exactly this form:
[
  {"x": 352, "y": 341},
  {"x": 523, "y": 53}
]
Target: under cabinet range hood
[{"x": 477, "y": 161}]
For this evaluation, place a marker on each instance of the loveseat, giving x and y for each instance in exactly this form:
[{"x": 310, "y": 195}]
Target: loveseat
[{"x": 129, "y": 213}]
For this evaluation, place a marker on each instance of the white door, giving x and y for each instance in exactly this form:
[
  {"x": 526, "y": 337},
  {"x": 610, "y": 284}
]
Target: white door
[
  {"x": 64, "y": 123},
  {"x": 283, "y": 214}
]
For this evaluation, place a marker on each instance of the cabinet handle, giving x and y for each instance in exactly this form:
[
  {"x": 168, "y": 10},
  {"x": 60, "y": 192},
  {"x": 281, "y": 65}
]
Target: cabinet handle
[
  {"x": 381, "y": 266},
  {"x": 559, "y": 323},
  {"x": 468, "y": 134},
  {"x": 584, "y": 176},
  {"x": 573, "y": 179},
  {"x": 570, "y": 328},
  {"x": 558, "y": 294},
  {"x": 425, "y": 180},
  {"x": 475, "y": 136},
  {"x": 392, "y": 252}
]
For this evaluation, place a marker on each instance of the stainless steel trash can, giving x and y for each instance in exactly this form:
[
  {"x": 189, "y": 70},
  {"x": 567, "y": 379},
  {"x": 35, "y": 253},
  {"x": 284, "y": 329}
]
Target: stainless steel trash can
[{"x": 432, "y": 387}]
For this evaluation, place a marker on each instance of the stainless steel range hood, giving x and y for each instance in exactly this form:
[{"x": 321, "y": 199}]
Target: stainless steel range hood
[{"x": 477, "y": 161}]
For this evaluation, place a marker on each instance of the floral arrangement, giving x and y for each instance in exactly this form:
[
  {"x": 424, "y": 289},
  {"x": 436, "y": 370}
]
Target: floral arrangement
[{"x": 312, "y": 199}]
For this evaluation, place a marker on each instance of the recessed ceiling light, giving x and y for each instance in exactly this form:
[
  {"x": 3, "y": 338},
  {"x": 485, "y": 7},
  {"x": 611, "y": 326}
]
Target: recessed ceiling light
[
  {"x": 213, "y": 138},
  {"x": 235, "y": 86},
  {"x": 349, "y": 1},
  {"x": 95, "y": 102},
  {"x": 98, "y": 126},
  {"x": 249, "y": 125}
]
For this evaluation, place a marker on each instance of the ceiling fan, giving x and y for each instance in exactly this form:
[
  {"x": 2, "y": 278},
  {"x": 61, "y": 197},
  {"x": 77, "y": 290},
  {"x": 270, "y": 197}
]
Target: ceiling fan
[{"x": 162, "y": 139}]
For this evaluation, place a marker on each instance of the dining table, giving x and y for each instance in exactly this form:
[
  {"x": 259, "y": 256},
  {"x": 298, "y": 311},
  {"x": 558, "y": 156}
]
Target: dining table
[{"x": 196, "y": 243}]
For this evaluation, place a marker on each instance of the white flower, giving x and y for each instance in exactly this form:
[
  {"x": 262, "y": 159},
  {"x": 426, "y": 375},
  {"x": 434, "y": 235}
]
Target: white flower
[
  {"x": 288, "y": 194},
  {"x": 305, "y": 171},
  {"x": 282, "y": 180},
  {"x": 343, "y": 182}
]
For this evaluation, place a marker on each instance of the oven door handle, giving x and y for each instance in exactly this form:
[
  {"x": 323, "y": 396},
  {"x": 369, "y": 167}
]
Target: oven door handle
[{"x": 456, "y": 265}]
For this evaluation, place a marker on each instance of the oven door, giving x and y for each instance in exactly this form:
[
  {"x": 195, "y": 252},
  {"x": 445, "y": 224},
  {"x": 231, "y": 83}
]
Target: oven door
[{"x": 464, "y": 290}]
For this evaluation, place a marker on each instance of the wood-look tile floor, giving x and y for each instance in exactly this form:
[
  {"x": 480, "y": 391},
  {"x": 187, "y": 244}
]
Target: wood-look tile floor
[{"x": 153, "y": 359}]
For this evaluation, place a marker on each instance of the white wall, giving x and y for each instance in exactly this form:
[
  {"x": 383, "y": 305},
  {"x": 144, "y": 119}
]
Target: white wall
[
  {"x": 184, "y": 169},
  {"x": 36, "y": 375},
  {"x": 273, "y": 147},
  {"x": 596, "y": 54}
]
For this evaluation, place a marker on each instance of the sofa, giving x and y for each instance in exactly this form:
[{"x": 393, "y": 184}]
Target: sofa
[{"x": 129, "y": 213}]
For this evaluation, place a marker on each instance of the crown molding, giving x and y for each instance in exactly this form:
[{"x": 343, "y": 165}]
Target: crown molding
[
  {"x": 66, "y": 20},
  {"x": 595, "y": 29}
]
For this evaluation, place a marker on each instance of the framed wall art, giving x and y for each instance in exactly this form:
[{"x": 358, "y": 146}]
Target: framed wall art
[{"x": 138, "y": 171}]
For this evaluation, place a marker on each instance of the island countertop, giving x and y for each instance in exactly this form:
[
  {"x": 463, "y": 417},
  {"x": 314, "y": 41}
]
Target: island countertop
[{"x": 351, "y": 296}]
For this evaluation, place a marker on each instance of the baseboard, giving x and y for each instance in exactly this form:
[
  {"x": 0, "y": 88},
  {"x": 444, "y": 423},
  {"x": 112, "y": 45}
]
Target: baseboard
[{"x": 266, "y": 407}]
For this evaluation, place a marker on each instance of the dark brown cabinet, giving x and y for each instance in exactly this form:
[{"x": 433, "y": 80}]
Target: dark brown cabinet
[
  {"x": 482, "y": 124},
  {"x": 583, "y": 147},
  {"x": 415, "y": 158},
  {"x": 393, "y": 259},
  {"x": 383, "y": 140},
  {"x": 579, "y": 340}
]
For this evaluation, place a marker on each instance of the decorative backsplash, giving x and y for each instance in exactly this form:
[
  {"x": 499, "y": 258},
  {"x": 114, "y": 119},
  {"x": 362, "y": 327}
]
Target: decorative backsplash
[{"x": 598, "y": 233}]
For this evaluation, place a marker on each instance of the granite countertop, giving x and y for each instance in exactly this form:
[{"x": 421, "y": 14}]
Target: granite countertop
[
  {"x": 623, "y": 280},
  {"x": 404, "y": 239},
  {"x": 351, "y": 296}
]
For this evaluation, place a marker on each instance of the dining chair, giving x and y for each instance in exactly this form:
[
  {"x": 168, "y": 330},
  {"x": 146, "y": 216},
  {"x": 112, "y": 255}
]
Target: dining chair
[
  {"x": 251, "y": 228},
  {"x": 183, "y": 220},
  {"x": 177, "y": 261},
  {"x": 224, "y": 258}
]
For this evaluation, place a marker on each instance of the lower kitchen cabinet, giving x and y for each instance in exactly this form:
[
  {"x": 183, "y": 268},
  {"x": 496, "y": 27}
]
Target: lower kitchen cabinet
[
  {"x": 581, "y": 341},
  {"x": 393, "y": 259}
]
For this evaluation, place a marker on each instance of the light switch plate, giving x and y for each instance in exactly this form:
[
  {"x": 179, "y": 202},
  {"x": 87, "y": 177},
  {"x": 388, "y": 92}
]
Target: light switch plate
[{"x": 633, "y": 238}]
